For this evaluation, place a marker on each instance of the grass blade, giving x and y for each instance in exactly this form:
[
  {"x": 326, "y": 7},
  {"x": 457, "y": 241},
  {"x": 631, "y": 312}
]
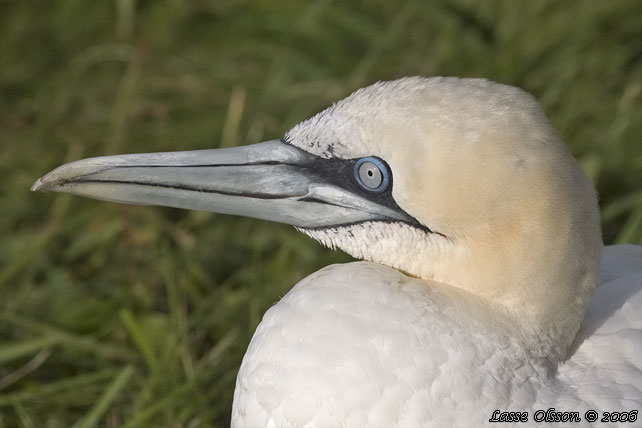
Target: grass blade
[
  {"x": 28, "y": 347},
  {"x": 38, "y": 391},
  {"x": 108, "y": 397},
  {"x": 137, "y": 335}
]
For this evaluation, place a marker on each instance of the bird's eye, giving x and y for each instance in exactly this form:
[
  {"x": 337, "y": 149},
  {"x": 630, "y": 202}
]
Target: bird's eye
[{"x": 372, "y": 174}]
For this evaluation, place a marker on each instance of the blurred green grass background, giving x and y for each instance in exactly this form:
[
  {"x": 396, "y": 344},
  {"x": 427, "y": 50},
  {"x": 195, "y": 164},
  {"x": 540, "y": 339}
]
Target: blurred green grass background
[{"x": 128, "y": 316}]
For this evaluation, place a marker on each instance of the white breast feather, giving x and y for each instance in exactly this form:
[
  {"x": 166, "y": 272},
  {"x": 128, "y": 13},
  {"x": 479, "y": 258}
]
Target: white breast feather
[
  {"x": 605, "y": 367},
  {"x": 337, "y": 350}
]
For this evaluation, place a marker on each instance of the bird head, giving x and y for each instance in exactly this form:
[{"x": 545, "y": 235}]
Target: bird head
[{"x": 461, "y": 182}]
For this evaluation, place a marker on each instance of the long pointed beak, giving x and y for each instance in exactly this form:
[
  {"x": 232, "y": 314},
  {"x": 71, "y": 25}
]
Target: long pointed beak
[{"x": 271, "y": 180}]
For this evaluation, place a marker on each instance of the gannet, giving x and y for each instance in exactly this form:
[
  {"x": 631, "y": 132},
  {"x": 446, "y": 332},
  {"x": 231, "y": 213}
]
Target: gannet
[{"x": 481, "y": 248}]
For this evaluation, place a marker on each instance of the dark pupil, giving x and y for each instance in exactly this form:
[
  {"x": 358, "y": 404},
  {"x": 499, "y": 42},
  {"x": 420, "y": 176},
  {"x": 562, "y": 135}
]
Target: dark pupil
[{"x": 370, "y": 172}]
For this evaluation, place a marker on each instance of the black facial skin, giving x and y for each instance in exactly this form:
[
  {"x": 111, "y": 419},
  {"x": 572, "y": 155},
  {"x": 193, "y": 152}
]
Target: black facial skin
[{"x": 340, "y": 173}]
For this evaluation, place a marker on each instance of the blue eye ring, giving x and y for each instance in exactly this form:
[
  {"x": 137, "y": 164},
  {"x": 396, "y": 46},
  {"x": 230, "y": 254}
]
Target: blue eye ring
[{"x": 365, "y": 172}]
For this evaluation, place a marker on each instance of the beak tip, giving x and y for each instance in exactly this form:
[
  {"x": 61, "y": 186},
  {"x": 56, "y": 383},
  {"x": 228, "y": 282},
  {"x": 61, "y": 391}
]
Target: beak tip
[
  {"x": 45, "y": 183},
  {"x": 64, "y": 173},
  {"x": 37, "y": 186}
]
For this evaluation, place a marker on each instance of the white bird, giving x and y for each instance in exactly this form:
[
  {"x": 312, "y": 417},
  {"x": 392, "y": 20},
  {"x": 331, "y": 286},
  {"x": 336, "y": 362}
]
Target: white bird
[{"x": 482, "y": 240}]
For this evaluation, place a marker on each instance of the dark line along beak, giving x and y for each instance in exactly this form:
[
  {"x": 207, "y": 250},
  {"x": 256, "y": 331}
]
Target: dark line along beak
[{"x": 271, "y": 180}]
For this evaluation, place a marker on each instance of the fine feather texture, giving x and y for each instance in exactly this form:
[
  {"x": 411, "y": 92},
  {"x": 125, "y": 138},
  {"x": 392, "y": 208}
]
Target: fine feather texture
[
  {"x": 361, "y": 344},
  {"x": 605, "y": 367}
]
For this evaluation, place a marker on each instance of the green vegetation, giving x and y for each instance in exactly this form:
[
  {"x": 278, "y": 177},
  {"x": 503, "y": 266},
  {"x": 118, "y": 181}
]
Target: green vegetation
[{"x": 128, "y": 316}]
